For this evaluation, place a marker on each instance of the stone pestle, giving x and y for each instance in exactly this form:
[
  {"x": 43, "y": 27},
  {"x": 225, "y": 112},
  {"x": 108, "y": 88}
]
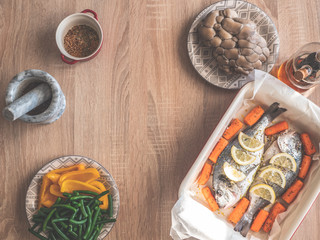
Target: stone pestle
[{"x": 27, "y": 102}]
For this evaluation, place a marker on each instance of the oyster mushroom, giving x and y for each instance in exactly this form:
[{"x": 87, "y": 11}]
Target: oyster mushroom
[{"x": 237, "y": 46}]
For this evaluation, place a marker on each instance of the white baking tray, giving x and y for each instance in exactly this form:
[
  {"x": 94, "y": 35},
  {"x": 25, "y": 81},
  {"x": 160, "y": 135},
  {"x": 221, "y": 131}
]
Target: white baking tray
[{"x": 302, "y": 115}]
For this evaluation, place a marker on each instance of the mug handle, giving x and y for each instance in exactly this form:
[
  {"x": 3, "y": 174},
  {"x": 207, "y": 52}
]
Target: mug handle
[
  {"x": 91, "y": 11},
  {"x": 63, "y": 57}
]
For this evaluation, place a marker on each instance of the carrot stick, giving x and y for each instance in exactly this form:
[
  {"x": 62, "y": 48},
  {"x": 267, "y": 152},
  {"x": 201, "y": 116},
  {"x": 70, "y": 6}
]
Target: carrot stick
[
  {"x": 234, "y": 126},
  {"x": 275, "y": 211},
  {"x": 292, "y": 192},
  {"x": 259, "y": 220},
  {"x": 308, "y": 146},
  {"x": 253, "y": 116},
  {"x": 222, "y": 143},
  {"x": 279, "y": 127},
  {"x": 305, "y": 165},
  {"x": 239, "y": 210},
  {"x": 210, "y": 199},
  {"x": 205, "y": 174}
]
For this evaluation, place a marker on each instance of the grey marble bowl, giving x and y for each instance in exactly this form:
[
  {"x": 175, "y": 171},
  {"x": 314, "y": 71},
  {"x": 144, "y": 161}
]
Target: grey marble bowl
[{"x": 47, "y": 112}]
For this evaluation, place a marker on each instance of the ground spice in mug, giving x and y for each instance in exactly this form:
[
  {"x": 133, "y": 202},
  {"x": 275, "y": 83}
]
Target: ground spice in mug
[{"x": 81, "y": 41}]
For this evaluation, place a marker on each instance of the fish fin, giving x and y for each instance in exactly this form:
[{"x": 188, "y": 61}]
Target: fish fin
[
  {"x": 243, "y": 226},
  {"x": 274, "y": 110}
]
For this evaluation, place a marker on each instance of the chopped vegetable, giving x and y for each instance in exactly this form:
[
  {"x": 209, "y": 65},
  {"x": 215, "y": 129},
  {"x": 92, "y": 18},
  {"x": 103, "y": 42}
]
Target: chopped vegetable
[
  {"x": 275, "y": 211},
  {"x": 210, "y": 199},
  {"x": 292, "y": 191},
  {"x": 76, "y": 217},
  {"x": 232, "y": 129},
  {"x": 205, "y": 174},
  {"x": 259, "y": 220},
  {"x": 46, "y": 182},
  {"x": 308, "y": 146},
  {"x": 85, "y": 175},
  {"x": 54, "y": 177},
  {"x": 55, "y": 190},
  {"x": 253, "y": 116},
  {"x": 69, "y": 186},
  {"x": 305, "y": 165},
  {"x": 69, "y": 169},
  {"x": 239, "y": 210},
  {"x": 279, "y": 127},
  {"x": 222, "y": 143},
  {"x": 85, "y": 180}
]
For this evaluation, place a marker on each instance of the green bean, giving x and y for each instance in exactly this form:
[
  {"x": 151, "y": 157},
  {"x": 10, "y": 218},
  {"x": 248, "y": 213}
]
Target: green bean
[
  {"x": 75, "y": 204},
  {"x": 38, "y": 235},
  {"x": 68, "y": 195},
  {"x": 80, "y": 232},
  {"x": 78, "y": 222},
  {"x": 95, "y": 216},
  {"x": 59, "y": 220},
  {"x": 65, "y": 206},
  {"x": 80, "y": 197},
  {"x": 87, "y": 192},
  {"x": 98, "y": 232},
  {"x": 58, "y": 200},
  {"x": 89, "y": 223},
  {"x": 110, "y": 207},
  {"x": 107, "y": 221},
  {"x": 52, "y": 236},
  {"x": 45, "y": 223},
  {"x": 56, "y": 214},
  {"x": 98, "y": 196},
  {"x": 73, "y": 233},
  {"x": 59, "y": 232},
  {"x": 75, "y": 213},
  {"x": 83, "y": 209}
]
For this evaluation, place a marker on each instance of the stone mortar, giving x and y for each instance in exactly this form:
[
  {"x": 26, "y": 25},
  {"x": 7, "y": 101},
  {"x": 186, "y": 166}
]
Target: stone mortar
[{"x": 19, "y": 84}]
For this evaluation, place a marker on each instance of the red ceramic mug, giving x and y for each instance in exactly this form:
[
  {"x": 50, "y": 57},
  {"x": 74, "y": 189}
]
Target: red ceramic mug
[{"x": 74, "y": 20}]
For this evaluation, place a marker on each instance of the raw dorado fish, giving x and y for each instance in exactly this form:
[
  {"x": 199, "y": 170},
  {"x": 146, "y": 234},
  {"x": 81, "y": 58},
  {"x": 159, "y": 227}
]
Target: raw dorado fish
[
  {"x": 232, "y": 180},
  {"x": 284, "y": 157}
]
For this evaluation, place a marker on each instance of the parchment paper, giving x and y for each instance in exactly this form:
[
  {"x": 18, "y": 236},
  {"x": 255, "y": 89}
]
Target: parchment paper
[{"x": 191, "y": 217}]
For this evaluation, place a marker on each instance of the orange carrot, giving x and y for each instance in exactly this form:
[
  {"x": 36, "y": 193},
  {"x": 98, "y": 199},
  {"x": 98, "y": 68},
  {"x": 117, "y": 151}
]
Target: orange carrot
[
  {"x": 210, "y": 199},
  {"x": 292, "y": 192},
  {"x": 259, "y": 220},
  {"x": 239, "y": 210},
  {"x": 279, "y": 127},
  {"x": 254, "y": 115},
  {"x": 305, "y": 165},
  {"x": 234, "y": 126},
  {"x": 205, "y": 174},
  {"x": 308, "y": 146},
  {"x": 222, "y": 143},
  {"x": 275, "y": 211}
]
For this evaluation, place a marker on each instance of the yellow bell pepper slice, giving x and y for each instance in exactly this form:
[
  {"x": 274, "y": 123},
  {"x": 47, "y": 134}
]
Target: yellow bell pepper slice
[
  {"x": 55, "y": 190},
  {"x": 85, "y": 175},
  {"x": 75, "y": 167},
  {"x": 104, "y": 199},
  {"x": 73, "y": 185},
  {"x": 49, "y": 200},
  {"x": 54, "y": 177},
  {"x": 46, "y": 182}
]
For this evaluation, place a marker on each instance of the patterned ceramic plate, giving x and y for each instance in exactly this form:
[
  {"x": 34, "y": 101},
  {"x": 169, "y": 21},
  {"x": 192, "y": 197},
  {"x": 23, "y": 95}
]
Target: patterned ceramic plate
[
  {"x": 106, "y": 179},
  {"x": 201, "y": 56}
]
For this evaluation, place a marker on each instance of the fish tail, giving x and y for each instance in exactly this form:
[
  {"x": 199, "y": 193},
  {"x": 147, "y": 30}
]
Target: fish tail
[
  {"x": 244, "y": 224},
  {"x": 273, "y": 111}
]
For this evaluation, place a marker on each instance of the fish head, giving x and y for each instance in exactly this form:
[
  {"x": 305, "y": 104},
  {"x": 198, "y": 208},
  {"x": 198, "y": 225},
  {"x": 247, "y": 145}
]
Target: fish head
[{"x": 226, "y": 194}]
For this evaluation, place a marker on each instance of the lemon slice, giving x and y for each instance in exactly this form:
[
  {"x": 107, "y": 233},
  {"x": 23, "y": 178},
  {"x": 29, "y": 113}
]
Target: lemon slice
[
  {"x": 274, "y": 175},
  {"x": 264, "y": 191},
  {"x": 248, "y": 143},
  {"x": 284, "y": 160},
  {"x": 232, "y": 173},
  {"x": 241, "y": 157}
]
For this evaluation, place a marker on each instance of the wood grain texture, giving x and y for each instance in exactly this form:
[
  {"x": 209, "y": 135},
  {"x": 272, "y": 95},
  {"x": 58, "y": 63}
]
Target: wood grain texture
[{"x": 139, "y": 107}]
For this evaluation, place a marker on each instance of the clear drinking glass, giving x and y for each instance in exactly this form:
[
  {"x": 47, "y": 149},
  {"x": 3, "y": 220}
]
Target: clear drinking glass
[{"x": 303, "y": 67}]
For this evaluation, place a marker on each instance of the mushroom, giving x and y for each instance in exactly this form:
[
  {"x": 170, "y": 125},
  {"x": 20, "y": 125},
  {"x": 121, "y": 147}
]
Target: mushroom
[{"x": 237, "y": 46}]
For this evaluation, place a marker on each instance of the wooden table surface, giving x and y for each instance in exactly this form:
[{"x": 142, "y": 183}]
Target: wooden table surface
[{"x": 139, "y": 107}]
